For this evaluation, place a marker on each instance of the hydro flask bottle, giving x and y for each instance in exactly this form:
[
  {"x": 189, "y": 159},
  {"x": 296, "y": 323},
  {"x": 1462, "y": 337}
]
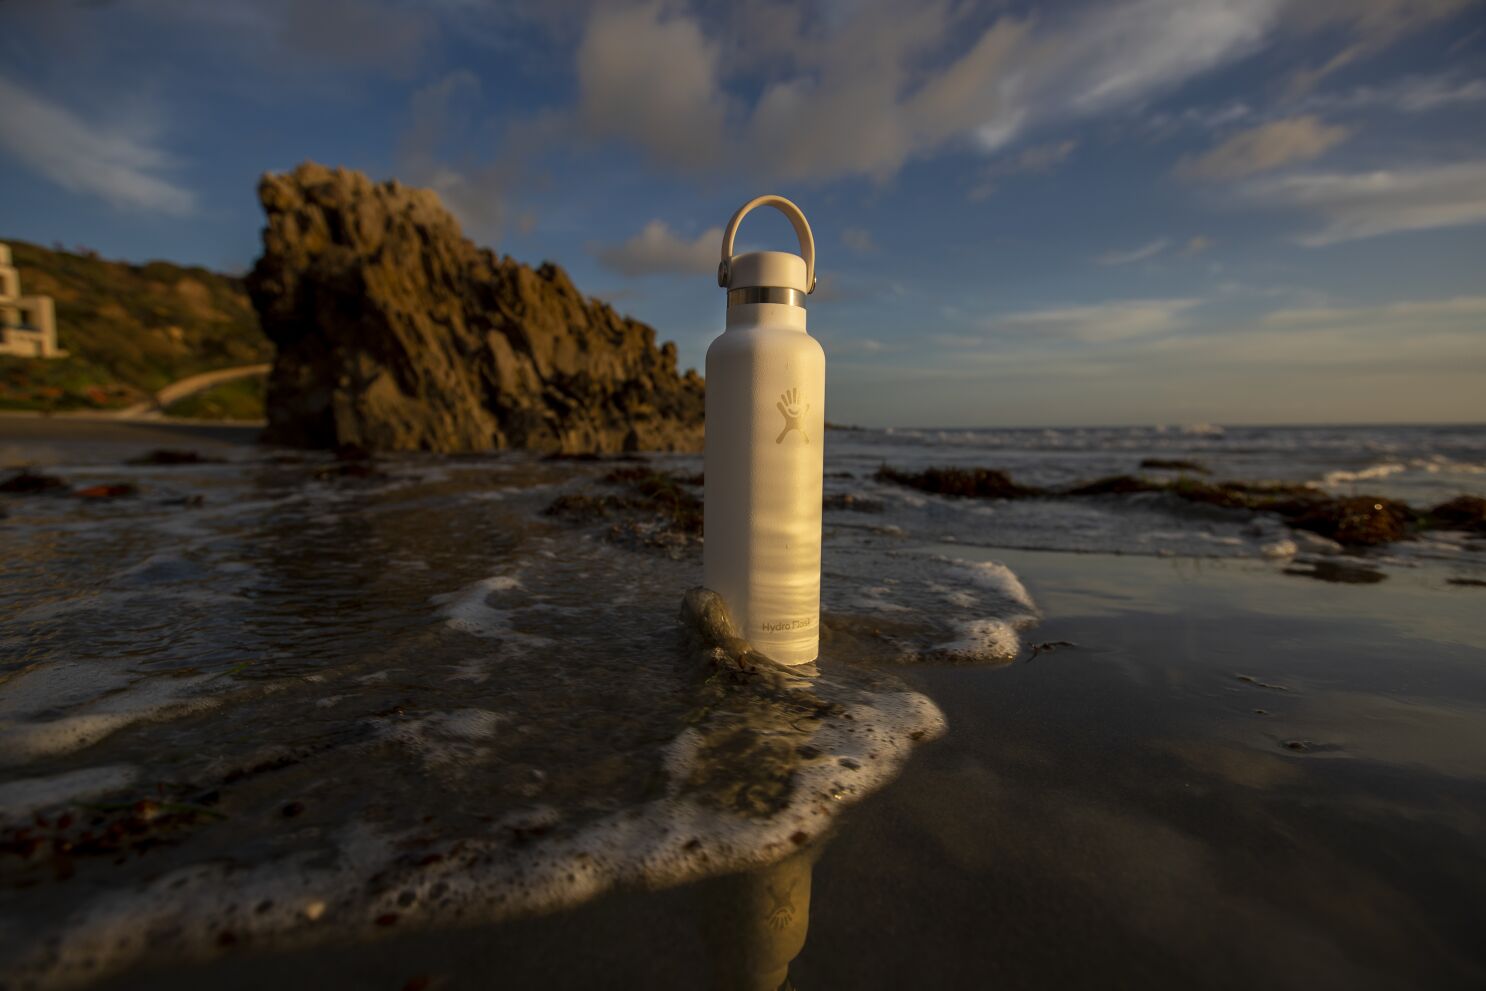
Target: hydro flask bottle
[{"x": 766, "y": 390}]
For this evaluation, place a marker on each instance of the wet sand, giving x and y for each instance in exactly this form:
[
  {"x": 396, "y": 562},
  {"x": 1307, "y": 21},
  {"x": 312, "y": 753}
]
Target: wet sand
[
  {"x": 1234, "y": 777},
  {"x": 27, "y": 438},
  {"x": 1215, "y": 773}
]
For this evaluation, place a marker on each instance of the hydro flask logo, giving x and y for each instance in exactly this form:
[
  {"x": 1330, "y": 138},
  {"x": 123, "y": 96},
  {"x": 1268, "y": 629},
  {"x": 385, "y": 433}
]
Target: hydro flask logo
[
  {"x": 783, "y": 912},
  {"x": 789, "y": 408}
]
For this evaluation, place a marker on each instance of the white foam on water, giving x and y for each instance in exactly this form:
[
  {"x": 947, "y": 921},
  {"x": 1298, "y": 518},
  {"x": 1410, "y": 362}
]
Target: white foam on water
[
  {"x": 930, "y": 606},
  {"x": 20, "y": 798},
  {"x": 470, "y": 610},
  {"x": 146, "y": 700},
  {"x": 985, "y": 638},
  {"x": 443, "y": 738},
  {"x": 298, "y": 901},
  {"x": 1344, "y": 476},
  {"x": 58, "y": 685},
  {"x": 473, "y": 670}
]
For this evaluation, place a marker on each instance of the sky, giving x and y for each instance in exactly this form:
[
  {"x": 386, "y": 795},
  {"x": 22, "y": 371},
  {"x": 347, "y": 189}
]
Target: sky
[{"x": 1026, "y": 214}]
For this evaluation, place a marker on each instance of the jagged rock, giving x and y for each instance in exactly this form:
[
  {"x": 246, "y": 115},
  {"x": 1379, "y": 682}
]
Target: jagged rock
[{"x": 394, "y": 332}]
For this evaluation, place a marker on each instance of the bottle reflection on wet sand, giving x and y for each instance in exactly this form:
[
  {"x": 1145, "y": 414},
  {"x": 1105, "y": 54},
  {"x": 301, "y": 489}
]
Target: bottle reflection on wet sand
[{"x": 758, "y": 924}]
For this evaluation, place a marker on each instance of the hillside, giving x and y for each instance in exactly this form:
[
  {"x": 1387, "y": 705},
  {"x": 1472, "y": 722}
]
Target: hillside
[{"x": 129, "y": 330}]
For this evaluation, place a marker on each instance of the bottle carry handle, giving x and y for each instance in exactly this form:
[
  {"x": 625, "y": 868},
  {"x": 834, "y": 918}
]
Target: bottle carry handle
[{"x": 796, "y": 219}]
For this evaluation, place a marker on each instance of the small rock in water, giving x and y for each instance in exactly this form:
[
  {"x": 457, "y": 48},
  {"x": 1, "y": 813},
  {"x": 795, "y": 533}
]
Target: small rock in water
[
  {"x": 1358, "y": 520},
  {"x": 1175, "y": 464},
  {"x": 852, "y": 503},
  {"x": 29, "y": 482},
  {"x": 1336, "y": 570},
  {"x": 115, "y": 491},
  {"x": 166, "y": 456},
  {"x": 1461, "y": 513}
]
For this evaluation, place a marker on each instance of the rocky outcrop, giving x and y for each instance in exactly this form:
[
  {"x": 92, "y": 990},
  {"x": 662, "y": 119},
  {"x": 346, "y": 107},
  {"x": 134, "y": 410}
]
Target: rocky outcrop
[{"x": 394, "y": 332}]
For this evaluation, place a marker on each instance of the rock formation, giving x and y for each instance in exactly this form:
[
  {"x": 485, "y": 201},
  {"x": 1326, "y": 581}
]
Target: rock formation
[{"x": 394, "y": 332}]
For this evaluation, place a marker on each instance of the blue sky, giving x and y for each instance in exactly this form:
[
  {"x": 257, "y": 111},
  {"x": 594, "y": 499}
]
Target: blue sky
[{"x": 1121, "y": 211}]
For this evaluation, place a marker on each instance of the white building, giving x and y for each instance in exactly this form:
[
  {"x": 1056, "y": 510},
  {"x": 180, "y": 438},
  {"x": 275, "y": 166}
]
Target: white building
[{"x": 28, "y": 324}]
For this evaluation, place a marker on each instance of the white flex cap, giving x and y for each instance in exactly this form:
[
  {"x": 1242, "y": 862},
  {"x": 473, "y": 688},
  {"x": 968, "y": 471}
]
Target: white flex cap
[
  {"x": 767, "y": 268},
  {"x": 772, "y": 269}
]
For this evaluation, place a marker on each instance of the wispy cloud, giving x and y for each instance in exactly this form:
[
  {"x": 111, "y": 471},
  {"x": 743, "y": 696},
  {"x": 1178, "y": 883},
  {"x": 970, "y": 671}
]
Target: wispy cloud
[
  {"x": 1368, "y": 204},
  {"x": 1314, "y": 364},
  {"x": 658, "y": 77},
  {"x": 1133, "y": 255},
  {"x": 1268, "y": 146},
  {"x": 478, "y": 194},
  {"x": 1368, "y": 27},
  {"x": 1036, "y": 160},
  {"x": 658, "y": 250},
  {"x": 91, "y": 157},
  {"x": 859, "y": 240},
  {"x": 1115, "y": 320},
  {"x": 1402, "y": 314},
  {"x": 1410, "y": 95}
]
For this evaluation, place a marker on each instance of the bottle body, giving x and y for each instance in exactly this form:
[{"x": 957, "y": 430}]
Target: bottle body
[{"x": 764, "y": 465}]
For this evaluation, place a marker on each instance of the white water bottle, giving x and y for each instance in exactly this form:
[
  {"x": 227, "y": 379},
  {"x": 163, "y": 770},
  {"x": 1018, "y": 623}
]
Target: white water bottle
[{"x": 766, "y": 390}]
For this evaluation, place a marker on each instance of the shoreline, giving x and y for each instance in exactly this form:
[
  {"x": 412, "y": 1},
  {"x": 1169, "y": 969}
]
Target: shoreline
[{"x": 1202, "y": 735}]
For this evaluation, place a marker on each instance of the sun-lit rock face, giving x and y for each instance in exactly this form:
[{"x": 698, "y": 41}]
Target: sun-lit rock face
[{"x": 395, "y": 332}]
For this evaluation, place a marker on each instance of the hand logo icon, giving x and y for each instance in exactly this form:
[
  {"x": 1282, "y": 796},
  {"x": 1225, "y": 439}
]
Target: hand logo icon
[
  {"x": 783, "y": 912},
  {"x": 789, "y": 408}
]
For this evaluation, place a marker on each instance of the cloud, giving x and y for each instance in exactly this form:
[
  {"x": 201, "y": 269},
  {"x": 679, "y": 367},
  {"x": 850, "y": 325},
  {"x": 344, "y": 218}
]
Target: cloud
[
  {"x": 1406, "y": 360},
  {"x": 1368, "y": 204},
  {"x": 1197, "y": 244},
  {"x": 383, "y": 36},
  {"x": 658, "y": 250},
  {"x": 364, "y": 33},
  {"x": 87, "y": 157},
  {"x": 651, "y": 78},
  {"x": 1116, "y": 320},
  {"x": 1139, "y": 254},
  {"x": 1402, "y": 315},
  {"x": 1369, "y": 27},
  {"x": 863, "y": 90},
  {"x": 858, "y": 239},
  {"x": 1268, "y": 146},
  {"x": 1410, "y": 95},
  {"x": 1035, "y": 160},
  {"x": 477, "y": 194}
]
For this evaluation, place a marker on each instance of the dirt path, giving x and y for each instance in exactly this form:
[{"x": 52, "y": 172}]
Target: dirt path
[{"x": 188, "y": 386}]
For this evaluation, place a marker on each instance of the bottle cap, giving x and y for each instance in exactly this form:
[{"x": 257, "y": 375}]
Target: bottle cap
[{"x": 768, "y": 276}]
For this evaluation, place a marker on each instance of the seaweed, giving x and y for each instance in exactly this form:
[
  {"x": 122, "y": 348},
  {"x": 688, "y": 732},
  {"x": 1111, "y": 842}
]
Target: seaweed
[
  {"x": 1175, "y": 464},
  {"x": 28, "y": 482},
  {"x": 653, "y": 508},
  {"x": 166, "y": 456},
  {"x": 1465, "y": 512},
  {"x": 978, "y": 483}
]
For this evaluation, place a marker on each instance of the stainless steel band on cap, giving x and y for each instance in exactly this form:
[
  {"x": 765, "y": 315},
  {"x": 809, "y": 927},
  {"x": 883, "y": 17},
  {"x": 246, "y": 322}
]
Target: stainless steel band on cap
[{"x": 766, "y": 294}]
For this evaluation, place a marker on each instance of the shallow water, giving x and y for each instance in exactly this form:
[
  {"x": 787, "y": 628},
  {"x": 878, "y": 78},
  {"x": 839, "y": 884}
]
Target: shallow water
[{"x": 386, "y": 725}]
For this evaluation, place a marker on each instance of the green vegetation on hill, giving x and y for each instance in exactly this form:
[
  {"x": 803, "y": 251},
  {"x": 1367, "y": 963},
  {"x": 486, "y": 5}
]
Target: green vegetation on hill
[
  {"x": 240, "y": 399},
  {"x": 129, "y": 330}
]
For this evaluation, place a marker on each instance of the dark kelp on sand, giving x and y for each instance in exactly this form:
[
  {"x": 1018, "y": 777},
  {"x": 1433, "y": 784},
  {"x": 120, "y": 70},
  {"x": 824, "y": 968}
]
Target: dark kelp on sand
[{"x": 1354, "y": 521}]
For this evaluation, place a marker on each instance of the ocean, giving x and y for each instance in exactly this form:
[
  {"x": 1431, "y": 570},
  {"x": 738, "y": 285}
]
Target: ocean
[{"x": 279, "y": 716}]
